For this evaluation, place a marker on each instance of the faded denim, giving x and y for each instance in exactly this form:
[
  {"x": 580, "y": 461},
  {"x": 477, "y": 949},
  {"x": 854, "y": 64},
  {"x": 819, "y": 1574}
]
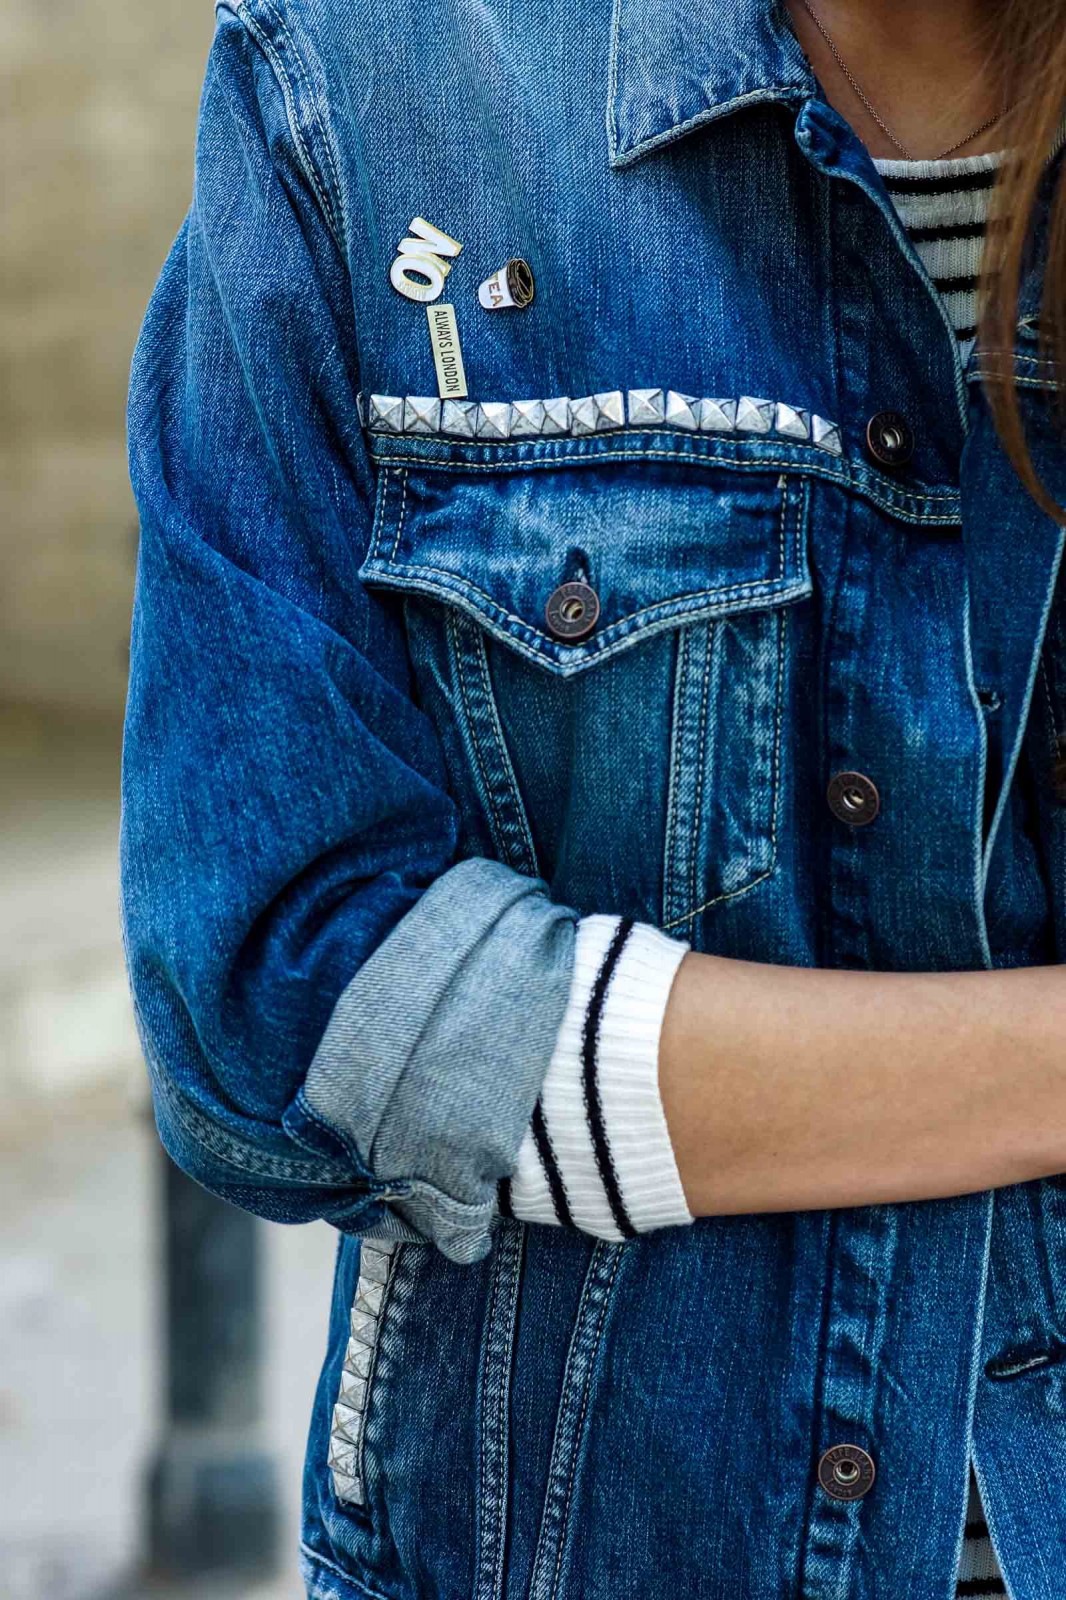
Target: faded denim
[{"x": 366, "y": 793}]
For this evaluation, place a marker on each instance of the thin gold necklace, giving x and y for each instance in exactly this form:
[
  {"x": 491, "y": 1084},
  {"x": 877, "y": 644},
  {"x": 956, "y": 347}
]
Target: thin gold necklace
[{"x": 990, "y": 122}]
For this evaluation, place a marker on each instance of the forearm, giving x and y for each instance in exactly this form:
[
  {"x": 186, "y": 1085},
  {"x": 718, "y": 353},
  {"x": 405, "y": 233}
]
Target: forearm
[{"x": 789, "y": 1088}]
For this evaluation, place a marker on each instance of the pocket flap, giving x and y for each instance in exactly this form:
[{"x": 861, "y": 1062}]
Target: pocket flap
[{"x": 660, "y": 543}]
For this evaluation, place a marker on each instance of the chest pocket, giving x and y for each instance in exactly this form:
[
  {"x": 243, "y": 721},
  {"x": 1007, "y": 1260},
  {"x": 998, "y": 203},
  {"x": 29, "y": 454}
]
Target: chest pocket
[{"x": 629, "y": 752}]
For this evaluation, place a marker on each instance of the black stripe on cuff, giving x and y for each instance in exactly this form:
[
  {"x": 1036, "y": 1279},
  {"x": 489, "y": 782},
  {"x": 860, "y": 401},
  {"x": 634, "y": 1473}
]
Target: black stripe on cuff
[
  {"x": 589, "y": 1060},
  {"x": 552, "y": 1174}
]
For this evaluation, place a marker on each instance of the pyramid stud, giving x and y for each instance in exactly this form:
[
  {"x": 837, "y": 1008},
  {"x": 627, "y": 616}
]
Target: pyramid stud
[
  {"x": 421, "y": 414},
  {"x": 368, "y": 1296},
  {"x": 348, "y": 1488},
  {"x": 527, "y": 417},
  {"x": 583, "y": 414},
  {"x": 459, "y": 418},
  {"x": 494, "y": 419},
  {"x": 358, "y": 1358},
  {"x": 364, "y": 1327},
  {"x": 611, "y": 409},
  {"x": 352, "y": 1391},
  {"x": 754, "y": 416},
  {"x": 791, "y": 423},
  {"x": 682, "y": 410},
  {"x": 556, "y": 415},
  {"x": 386, "y": 413},
  {"x": 373, "y": 1265},
  {"x": 343, "y": 1457},
  {"x": 826, "y": 435},
  {"x": 646, "y": 407},
  {"x": 347, "y": 1424},
  {"x": 718, "y": 416}
]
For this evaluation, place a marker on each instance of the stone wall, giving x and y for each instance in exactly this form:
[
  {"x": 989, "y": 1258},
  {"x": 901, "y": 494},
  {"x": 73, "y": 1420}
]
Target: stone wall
[{"x": 97, "y": 116}]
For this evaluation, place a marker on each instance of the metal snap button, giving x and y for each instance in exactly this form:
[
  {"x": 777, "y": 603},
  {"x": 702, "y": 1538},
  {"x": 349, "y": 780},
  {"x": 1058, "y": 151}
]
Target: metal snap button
[
  {"x": 889, "y": 439},
  {"x": 572, "y": 611},
  {"x": 846, "y": 1471},
  {"x": 853, "y": 798}
]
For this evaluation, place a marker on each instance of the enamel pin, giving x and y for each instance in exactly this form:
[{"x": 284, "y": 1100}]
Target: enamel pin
[
  {"x": 510, "y": 285},
  {"x": 423, "y": 261}
]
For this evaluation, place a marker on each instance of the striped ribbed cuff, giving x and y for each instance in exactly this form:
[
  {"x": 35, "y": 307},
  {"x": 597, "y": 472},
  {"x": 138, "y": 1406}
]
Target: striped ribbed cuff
[{"x": 597, "y": 1154}]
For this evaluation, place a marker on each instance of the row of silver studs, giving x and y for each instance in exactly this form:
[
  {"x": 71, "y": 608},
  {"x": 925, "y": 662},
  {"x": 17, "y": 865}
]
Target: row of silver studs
[
  {"x": 494, "y": 420},
  {"x": 376, "y": 1260}
]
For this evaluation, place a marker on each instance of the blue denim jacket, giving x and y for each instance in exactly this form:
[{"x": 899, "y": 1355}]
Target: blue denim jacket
[{"x": 368, "y": 789}]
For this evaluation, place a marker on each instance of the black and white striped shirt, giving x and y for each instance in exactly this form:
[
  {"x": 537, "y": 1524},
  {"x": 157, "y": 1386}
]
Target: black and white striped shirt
[{"x": 944, "y": 206}]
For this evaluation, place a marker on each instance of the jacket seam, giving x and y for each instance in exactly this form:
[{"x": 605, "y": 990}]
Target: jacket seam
[
  {"x": 897, "y": 505},
  {"x": 235, "y": 1152},
  {"x": 468, "y": 717},
  {"x": 757, "y": 587},
  {"x": 328, "y": 200},
  {"x": 314, "y": 1558},
  {"x": 530, "y": 865}
]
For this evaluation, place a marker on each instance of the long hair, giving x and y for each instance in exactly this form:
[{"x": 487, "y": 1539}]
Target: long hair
[{"x": 1029, "y": 51}]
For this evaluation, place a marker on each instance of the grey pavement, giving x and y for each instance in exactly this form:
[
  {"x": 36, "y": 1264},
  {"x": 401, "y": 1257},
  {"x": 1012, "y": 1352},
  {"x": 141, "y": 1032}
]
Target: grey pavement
[
  {"x": 79, "y": 1280},
  {"x": 79, "y": 1362}
]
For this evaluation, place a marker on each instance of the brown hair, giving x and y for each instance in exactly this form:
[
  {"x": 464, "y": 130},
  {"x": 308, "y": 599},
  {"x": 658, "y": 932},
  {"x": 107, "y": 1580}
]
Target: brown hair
[{"x": 1030, "y": 52}]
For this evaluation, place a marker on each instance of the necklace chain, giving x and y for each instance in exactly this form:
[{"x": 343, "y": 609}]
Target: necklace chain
[{"x": 990, "y": 122}]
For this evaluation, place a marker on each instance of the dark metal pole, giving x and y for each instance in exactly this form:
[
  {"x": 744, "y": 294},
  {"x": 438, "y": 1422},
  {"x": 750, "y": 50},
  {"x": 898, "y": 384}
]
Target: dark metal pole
[{"x": 212, "y": 1491}]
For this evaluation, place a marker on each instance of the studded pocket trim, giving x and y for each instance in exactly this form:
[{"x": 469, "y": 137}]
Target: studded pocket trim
[{"x": 377, "y": 1263}]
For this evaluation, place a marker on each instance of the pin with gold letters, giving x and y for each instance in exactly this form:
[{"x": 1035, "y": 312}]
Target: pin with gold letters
[
  {"x": 511, "y": 285},
  {"x": 428, "y": 253}
]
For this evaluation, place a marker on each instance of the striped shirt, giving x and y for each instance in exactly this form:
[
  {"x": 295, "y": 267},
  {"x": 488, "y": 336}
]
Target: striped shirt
[{"x": 944, "y": 206}]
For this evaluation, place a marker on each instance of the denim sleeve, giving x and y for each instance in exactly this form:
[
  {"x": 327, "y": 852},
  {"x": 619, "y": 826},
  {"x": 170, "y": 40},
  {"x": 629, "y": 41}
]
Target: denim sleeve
[{"x": 340, "y": 1018}]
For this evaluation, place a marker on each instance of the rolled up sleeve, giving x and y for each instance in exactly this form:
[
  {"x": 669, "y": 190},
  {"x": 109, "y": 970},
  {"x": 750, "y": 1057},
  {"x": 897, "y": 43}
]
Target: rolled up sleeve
[{"x": 341, "y": 1018}]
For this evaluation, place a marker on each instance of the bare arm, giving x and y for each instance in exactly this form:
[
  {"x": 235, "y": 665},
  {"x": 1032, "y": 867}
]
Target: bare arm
[{"x": 788, "y": 1088}]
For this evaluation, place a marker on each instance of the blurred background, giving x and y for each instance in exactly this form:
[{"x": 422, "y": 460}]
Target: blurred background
[{"x": 112, "y": 1392}]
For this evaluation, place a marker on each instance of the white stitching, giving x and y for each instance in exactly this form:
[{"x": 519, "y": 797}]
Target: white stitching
[
  {"x": 402, "y": 515},
  {"x": 900, "y": 504}
]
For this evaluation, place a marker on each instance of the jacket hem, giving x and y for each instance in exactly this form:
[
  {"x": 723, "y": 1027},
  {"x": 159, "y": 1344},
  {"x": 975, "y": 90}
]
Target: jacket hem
[{"x": 324, "y": 1581}]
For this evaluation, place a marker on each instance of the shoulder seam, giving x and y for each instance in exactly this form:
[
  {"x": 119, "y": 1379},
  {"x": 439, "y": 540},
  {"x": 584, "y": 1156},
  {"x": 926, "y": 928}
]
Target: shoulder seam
[{"x": 304, "y": 119}]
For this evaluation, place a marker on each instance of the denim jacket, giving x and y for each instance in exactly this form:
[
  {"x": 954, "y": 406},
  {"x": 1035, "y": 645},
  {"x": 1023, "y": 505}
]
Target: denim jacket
[{"x": 371, "y": 782}]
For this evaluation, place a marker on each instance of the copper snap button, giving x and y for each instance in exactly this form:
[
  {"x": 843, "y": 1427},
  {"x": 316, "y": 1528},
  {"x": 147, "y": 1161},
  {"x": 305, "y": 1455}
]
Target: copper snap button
[
  {"x": 853, "y": 798},
  {"x": 846, "y": 1471},
  {"x": 572, "y": 611},
  {"x": 889, "y": 439}
]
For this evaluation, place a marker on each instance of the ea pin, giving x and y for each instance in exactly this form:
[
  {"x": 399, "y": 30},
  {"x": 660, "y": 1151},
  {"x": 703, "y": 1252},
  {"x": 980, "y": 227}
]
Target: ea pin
[{"x": 508, "y": 286}]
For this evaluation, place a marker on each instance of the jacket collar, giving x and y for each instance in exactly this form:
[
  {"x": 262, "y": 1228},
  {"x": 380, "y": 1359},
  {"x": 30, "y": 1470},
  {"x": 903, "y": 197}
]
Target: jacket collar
[{"x": 677, "y": 64}]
